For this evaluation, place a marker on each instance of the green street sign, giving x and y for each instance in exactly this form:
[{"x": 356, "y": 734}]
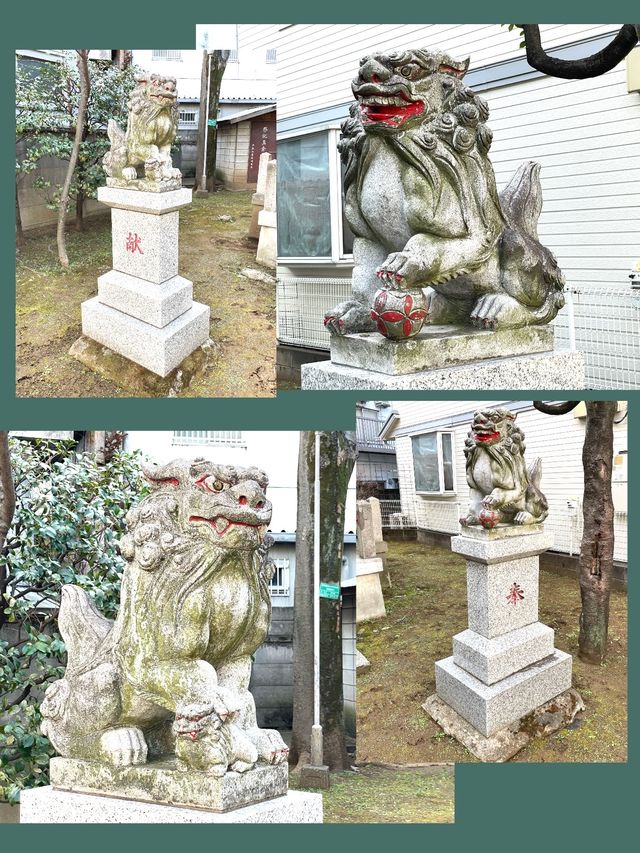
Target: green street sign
[
  {"x": 330, "y": 590},
  {"x": 212, "y": 122}
]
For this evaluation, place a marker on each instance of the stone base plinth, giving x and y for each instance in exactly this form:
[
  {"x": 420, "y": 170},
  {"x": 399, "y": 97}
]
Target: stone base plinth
[
  {"x": 504, "y": 744},
  {"x": 157, "y": 304},
  {"x": 490, "y": 708},
  {"x": 437, "y": 347},
  {"x": 47, "y": 805},
  {"x": 159, "y": 782},
  {"x": 493, "y": 659},
  {"x": 562, "y": 370},
  {"x": 158, "y": 350}
]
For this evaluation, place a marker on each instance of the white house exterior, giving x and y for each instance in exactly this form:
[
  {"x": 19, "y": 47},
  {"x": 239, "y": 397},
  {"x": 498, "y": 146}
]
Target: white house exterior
[
  {"x": 429, "y": 438},
  {"x": 585, "y": 134}
]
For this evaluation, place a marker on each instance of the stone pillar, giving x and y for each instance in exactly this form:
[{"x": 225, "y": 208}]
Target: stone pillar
[
  {"x": 267, "y": 219},
  {"x": 376, "y": 518},
  {"x": 257, "y": 199},
  {"x": 369, "y": 598},
  {"x": 504, "y": 665},
  {"x": 144, "y": 310}
]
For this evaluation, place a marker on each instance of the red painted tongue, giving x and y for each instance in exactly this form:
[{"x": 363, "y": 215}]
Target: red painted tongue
[
  {"x": 385, "y": 112},
  {"x": 488, "y": 436}
]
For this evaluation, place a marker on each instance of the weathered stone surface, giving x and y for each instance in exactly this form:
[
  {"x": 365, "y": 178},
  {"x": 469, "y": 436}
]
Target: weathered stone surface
[
  {"x": 561, "y": 370},
  {"x": 366, "y": 534},
  {"x": 315, "y": 776},
  {"x": 504, "y": 744},
  {"x": 157, "y": 304},
  {"x": 496, "y": 658},
  {"x": 145, "y": 245},
  {"x": 406, "y": 147},
  {"x": 502, "y": 488},
  {"x": 145, "y": 202},
  {"x": 169, "y": 680},
  {"x": 487, "y": 547},
  {"x": 257, "y": 199},
  {"x": 369, "y": 597},
  {"x": 268, "y": 221},
  {"x": 502, "y": 531},
  {"x": 362, "y": 663},
  {"x": 490, "y": 708},
  {"x": 137, "y": 380},
  {"x": 46, "y": 805},
  {"x": 437, "y": 347},
  {"x": 161, "y": 782},
  {"x": 159, "y": 350},
  {"x": 140, "y": 156},
  {"x": 502, "y": 597}
]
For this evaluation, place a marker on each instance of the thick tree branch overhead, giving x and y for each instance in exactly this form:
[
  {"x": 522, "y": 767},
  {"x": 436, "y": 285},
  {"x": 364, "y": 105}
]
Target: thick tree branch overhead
[{"x": 579, "y": 69}]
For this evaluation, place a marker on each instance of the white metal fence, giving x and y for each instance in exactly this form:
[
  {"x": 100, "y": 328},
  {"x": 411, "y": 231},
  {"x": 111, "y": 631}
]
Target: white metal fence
[
  {"x": 443, "y": 517},
  {"x": 602, "y": 322}
]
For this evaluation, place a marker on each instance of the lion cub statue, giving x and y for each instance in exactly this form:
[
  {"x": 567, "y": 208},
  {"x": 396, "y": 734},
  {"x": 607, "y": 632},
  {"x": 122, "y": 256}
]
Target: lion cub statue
[
  {"x": 502, "y": 489},
  {"x": 170, "y": 677},
  {"x": 420, "y": 198},
  {"x": 141, "y": 155}
]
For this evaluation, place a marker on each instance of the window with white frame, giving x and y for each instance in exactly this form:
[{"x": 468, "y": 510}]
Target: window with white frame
[
  {"x": 188, "y": 117},
  {"x": 279, "y": 583},
  {"x": 433, "y": 468},
  {"x": 222, "y": 438},
  {"x": 311, "y": 224},
  {"x": 271, "y": 56},
  {"x": 166, "y": 55}
]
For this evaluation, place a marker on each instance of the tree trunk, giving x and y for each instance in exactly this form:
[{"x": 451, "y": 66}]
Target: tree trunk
[
  {"x": 83, "y": 68},
  {"x": 19, "y": 231},
  {"x": 7, "y": 508},
  {"x": 79, "y": 222},
  {"x": 201, "y": 177},
  {"x": 596, "y": 551},
  {"x": 217, "y": 66},
  {"x": 336, "y": 464}
]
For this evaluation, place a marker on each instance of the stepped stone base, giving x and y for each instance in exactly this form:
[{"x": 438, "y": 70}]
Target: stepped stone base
[
  {"x": 160, "y": 782},
  {"x": 490, "y": 708},
  {"x": 47, "y": 805},
  {"x": 561, "y": 370},
  {"x": 490, "y": 660},
  {"x": 157, "y": 304},
  {"x": 437, "y": 347},
  {"x": 159, "y": 350}
]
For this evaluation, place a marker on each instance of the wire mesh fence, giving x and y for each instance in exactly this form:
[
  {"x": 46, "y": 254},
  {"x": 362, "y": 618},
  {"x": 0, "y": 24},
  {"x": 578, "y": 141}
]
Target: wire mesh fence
[{"x": 603, "y": 322}]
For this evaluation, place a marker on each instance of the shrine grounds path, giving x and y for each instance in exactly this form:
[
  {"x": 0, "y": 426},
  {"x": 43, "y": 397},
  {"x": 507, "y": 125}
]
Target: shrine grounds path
[
  {"x": 212, "y": 253},
  {"x": 426, "y": 606}
]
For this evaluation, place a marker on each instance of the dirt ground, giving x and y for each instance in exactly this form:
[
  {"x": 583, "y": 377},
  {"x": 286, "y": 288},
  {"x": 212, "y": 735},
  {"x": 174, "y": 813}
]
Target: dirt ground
[
  {"x": 212, "y": 253},
  {"x": 374, "y": 794},
  {"x": 426, "y": 606}
]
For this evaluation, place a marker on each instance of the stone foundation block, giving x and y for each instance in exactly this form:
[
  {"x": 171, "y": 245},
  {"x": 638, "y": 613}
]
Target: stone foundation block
[
  {"x": 47, "y": 805},
  {"x": 502, "y": 596},
  {"x": 492, "y": 660},
  {"x": 145, "y": 245},
  {"x": 482, "y": 546},
  {"x": 159, "y": 350},
  {"x": 157, "y": 304},
  {"x": 490, "y": 708},
  {"x": 369, "y": 597},
  {"x": 437, "y": 347}
]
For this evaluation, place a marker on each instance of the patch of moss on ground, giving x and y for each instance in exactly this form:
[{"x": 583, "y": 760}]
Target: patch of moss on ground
[
  {"x": 426, "y": 605},
  {"x": 375, "y": 794},
  {"x": 212, "y": 253}
]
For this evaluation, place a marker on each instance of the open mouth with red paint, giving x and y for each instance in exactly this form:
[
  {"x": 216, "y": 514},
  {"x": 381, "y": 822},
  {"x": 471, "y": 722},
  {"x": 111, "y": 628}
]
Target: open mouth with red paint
[
  {"x": 486, "y": 437},
  {"x": 222, "y": 525},
  {"x": 392, "y": 108}
]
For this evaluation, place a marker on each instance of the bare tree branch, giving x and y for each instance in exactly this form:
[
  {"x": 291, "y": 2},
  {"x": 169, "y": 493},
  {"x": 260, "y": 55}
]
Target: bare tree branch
[
  {"x": 579, "y": 69},
  {"x": 555, "y": 408},
  {"x": 7, "y": 492}
]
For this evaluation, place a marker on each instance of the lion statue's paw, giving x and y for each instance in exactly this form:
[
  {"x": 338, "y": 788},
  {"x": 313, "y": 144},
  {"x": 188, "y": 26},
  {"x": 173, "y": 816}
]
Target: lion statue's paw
[
  {"x": 402, "y": 270},
  {"x": 523, "y": 518},
  {"x": 271, "y": 748},
  {"x": 129, "y": 173},
  {"x": 124, "y": 746},
  {"x": 499, "y": 311},
  {"x": 349, "y": 318}
]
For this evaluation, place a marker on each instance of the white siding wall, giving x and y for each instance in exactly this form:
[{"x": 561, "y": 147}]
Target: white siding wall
[{"x": 556, "y": 440}]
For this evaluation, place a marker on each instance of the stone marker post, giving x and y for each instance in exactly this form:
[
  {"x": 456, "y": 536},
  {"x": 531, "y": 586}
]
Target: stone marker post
[
  {"x": 369, "y": 565},
  {"x": 144, "y": 309},
  {"x": 504, "y": 665},
  {"x": 267, "y": 244},
  {"x": 257, "y": 199}
]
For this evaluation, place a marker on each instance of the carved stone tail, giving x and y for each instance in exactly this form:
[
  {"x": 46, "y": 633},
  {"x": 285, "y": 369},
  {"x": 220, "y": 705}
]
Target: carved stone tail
[
  {"x": 82, "y": 626},
  {"x": 521, "y": 199}
]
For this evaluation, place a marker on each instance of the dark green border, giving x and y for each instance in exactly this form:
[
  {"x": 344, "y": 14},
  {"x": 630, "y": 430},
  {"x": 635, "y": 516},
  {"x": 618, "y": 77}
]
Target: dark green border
[{"x": 500, "y": 808}]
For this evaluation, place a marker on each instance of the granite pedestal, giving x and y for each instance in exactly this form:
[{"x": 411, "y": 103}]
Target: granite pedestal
[
  {"x": 144, "y": 310},
  {"x": 504, "y": 665}
]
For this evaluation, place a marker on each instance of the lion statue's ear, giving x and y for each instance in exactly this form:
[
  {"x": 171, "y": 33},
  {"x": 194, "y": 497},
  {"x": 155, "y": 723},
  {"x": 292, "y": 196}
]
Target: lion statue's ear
[{"x": 453, "y": 68}]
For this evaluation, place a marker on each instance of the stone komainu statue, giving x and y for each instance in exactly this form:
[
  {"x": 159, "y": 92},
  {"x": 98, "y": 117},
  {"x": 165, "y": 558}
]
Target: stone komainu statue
[
  {"x": 143, "y": 152},
  {"x": 503, "y": 489},
  {"x": 421, "y": 200},
  {"x": 171, "y": 674}
]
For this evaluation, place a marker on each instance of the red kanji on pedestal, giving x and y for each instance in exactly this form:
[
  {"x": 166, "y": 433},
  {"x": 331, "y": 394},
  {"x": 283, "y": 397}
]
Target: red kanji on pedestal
[
  {"x": 133, "y": 243},
  {"x": 516, "y": 594}
]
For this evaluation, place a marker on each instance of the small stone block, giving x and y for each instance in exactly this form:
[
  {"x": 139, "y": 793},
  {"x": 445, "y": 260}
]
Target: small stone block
[
  {"x": 312, "y": 776},
  {"x": 144, "y": 245},
  {"x": 157, "y": 304},
  {"x": 155, "y": 203},
  {"x": 502, "y": 596},
  {"x": 559, "y": 370},
  {"x": 47, "y": 805},
  {"x": 491, "y": 660},
  {"x": 160, "y": 782},
  {"x": 437, "y": 347},
  {"x": 159, "y": 350},
  {"x": 490, "y": 708},
  {"x": 490, "y": 549}
]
